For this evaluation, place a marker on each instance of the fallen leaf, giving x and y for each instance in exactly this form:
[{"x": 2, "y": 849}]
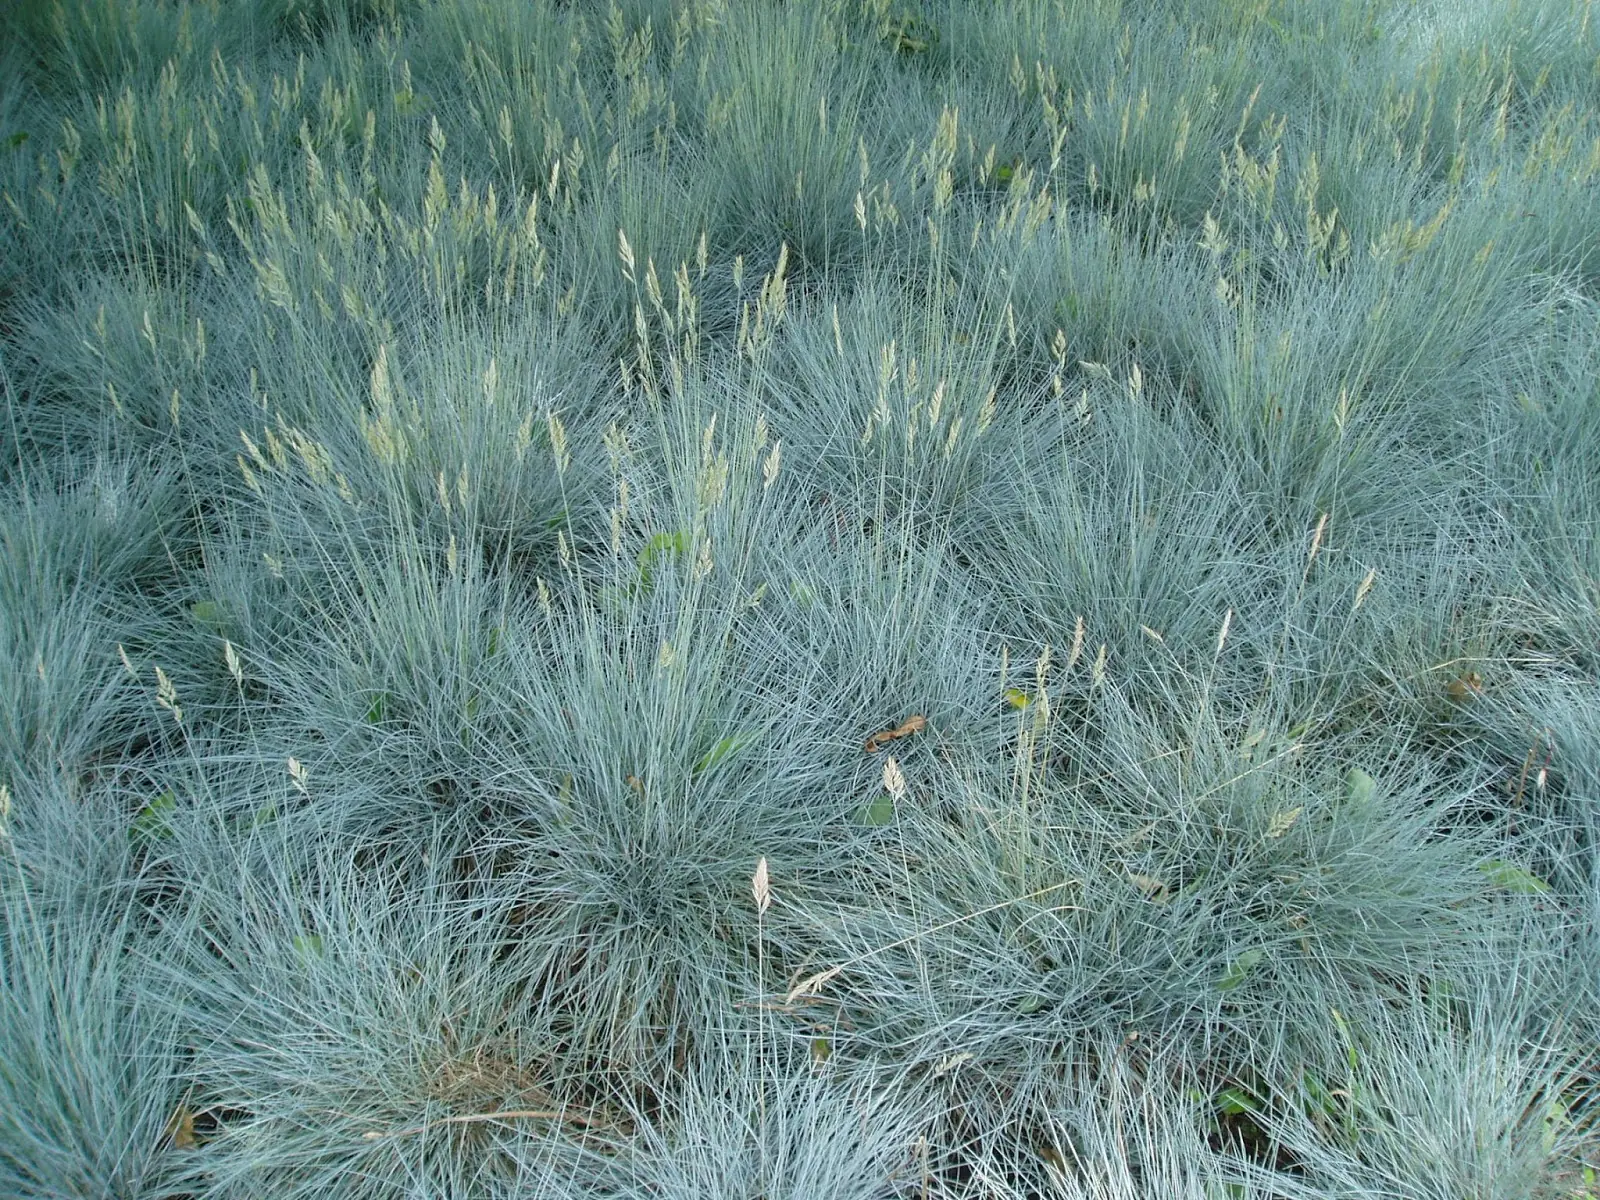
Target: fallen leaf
[
  {"x": 180, "y": 1128},
  {"x": 1465, "y": 687},
  {"x": 912, "y": 724},
  {"x": 1153, "y": 888}
]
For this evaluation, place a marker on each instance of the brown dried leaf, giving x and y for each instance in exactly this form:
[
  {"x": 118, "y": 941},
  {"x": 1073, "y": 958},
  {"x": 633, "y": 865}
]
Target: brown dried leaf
[
  {"x": 912, "y": 724},
  {"x": 1153, "y": 888},
  {"x": 180, "y": 1128}
]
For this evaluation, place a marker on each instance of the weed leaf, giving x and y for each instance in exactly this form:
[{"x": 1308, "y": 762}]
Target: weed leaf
[{"x": 1239, "y": 970}]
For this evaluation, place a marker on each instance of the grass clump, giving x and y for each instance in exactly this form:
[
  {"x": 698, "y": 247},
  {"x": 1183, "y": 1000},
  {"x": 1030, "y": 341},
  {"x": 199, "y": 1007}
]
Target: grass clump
[{"x": 677, "y": 599}]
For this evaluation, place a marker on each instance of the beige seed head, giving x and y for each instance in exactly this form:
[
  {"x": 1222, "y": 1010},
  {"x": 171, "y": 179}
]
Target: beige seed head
[
  {"x": 1364, "y": 588},
  {"x": 625, "y": 252},
  {"x": 894, "y": 782},
  {"x": 761, "y": 888}
]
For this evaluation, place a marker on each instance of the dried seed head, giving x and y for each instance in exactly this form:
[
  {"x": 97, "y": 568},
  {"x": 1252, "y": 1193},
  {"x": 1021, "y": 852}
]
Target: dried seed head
[
  {"x": 894, "y": 782},
  {"x": 1364, "y": 588},
  {"x": 811, "y": 985},
  {"x": 167, "y": 695},
  {"x": 986, "y": 413},
  {"x": 625, "y": 252},
  {"x": 761, "y": 887},
  {"x": 769, "y": 469},
  {"x": 558, "y": 442},
  {"x": 1316, "y": 540}
]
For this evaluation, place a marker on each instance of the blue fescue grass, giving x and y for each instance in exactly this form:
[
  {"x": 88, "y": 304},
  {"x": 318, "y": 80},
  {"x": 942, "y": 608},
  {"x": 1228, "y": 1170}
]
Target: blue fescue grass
[{"x": 869, "y": 600}]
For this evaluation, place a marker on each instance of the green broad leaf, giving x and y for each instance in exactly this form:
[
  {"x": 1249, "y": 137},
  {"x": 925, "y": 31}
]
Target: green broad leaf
[
  {"x": 16, "y": 139},
  {"x": 309, "y": 945},
  {"x": 1234, "y": 1100},
  {"x": 493, "y": 646},
  {"x": 264, "y": 815},
  {"x": 674, "y": 542},
  {"x": 410, "y": 104},
  {"x": 879, "y": 812},
  {"x": 1351, "y": 1054},
  {"x": 1319, "y": 1096},
  {"x": 154, "y": 820},
  {"x": 1252, "y": 740},
  {"x": 803, "y": 595},
  {"x": 1557, "y": 1119},
  {"x": 915, "y": 36},
  {"x": 1239, "y": 970},
  {"x": 375, "y": 710},
  {"x": 1017, "y": 698},
  {"x": 1030, "y": 1003},
  {"x": 821, "y": 1049},
  {"x": 210, "y": 614},
  {"x": 1512, "y": 878},
  {"x": 1359, "y": 787},
  {"x": 723, "y": 750},
  {"x": 661, "y": 545},
  {"x": 1263, "y": 744}
]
